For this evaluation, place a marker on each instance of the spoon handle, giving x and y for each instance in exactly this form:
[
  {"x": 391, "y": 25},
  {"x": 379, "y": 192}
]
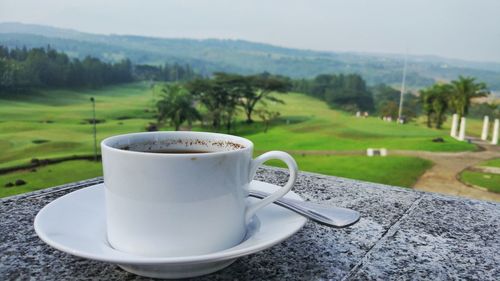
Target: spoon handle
[{"x": 321, "y": 213}]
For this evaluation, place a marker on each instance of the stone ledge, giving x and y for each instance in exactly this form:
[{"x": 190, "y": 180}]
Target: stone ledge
[{"x": 403, "y": 234}]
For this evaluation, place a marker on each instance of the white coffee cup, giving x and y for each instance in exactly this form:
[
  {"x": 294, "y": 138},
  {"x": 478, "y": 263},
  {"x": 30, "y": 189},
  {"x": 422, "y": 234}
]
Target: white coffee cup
[{"x": 181, "y": 204}]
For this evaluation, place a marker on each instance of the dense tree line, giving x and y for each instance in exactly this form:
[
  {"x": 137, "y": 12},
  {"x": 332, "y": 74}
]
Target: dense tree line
[
  {"x": 166, "y": 72},
  {"x": 219, "y": 99},
  {"x": 387, "y": 102},
  {"x": 348, "y": 92},
  {"x": 22, "y": 69}
]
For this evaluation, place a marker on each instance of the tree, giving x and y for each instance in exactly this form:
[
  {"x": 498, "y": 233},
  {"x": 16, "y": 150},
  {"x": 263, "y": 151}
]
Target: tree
[
  {"x": 389, "y": 108},
  {"x": 342, "y": 91},
  {"x": 205, "y": 92},
  {"x": 267, "y": 117},
  {"x": 22, "y": 69},
  {"x": 463, "y": 91},
  {"x": 256, "y": 88},
  {"x": 350, "y": 90},
  {"x": 426, "y": 96},
  {"x": 222, "y": 95},
  {"x": 218, "y": 98},
  {"x": 435, "y": 100},
  {"x": 232, "y": 88},
  {"x": 176, "y": 106},
  {"x": 386, "y": 97},
  {"x": 442, "y": 94}
]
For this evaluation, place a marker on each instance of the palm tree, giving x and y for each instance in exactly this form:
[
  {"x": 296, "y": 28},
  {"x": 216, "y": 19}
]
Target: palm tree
[
  {"x": 464, "y": 90},
  {"x": 427, "y": 98},
  {"x": 176, "y": 106},
  {"x": 442, "y": 93},
  {"x": 435, "y": 103}
]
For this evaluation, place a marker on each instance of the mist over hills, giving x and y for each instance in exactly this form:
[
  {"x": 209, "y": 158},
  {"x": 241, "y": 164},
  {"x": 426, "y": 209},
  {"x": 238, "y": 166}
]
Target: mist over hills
[{"x": 210, "y": 55}]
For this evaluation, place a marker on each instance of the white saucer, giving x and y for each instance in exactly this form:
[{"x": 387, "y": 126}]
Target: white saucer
[{"x": 75, "y": 224}]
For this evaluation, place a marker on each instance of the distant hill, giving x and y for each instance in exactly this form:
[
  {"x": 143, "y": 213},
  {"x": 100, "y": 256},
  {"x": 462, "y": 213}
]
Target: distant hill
[{"x": 207, "y": 56}]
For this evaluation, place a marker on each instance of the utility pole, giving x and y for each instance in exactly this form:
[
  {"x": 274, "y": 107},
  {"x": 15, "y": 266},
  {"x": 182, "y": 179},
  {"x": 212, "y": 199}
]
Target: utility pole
[
  {"x": 400, "y": 113},
  {"x": 95, "y": 129}
]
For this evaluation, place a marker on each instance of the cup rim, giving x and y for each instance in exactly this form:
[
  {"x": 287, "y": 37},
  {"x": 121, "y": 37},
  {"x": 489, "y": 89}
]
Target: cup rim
[{"x": 248, "y": 145}]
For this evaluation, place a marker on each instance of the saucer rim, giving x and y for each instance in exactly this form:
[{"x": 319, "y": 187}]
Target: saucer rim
[{"x": 134, "y": 259}]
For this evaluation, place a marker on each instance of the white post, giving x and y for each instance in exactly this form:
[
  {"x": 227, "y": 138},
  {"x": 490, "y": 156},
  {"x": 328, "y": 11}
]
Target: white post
[
  {"x": 461, "y": 133},
  {"x": 454, "y": 125},
  {"x": 486, "y": 123},
  {"x": 494, "y": 140}
]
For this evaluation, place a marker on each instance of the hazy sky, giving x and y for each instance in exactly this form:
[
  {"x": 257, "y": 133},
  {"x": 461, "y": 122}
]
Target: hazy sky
[{"x": 451, "y": 28}]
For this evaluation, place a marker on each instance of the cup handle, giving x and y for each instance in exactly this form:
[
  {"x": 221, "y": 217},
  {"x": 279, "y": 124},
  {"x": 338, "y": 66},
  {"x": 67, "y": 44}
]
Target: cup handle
[{"x": 292, "y": 167}]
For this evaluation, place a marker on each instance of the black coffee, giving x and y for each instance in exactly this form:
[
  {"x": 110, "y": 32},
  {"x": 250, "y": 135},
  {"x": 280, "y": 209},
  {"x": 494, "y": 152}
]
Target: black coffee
[
  {"x": 172, "y": 151},
  {"x": 166, "y": 151}
]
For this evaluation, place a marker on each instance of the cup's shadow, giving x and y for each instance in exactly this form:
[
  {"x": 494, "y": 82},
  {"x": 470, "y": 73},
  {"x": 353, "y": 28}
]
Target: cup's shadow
[{"x": 184, "y": 270}]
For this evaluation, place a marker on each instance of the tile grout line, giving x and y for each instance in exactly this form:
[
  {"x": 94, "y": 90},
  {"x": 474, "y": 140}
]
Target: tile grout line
[{"x": 388, "y": 233}]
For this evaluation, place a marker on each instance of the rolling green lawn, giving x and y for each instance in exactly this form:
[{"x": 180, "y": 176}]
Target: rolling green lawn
[
  {"x": 58, "y": 120},
  {"x": 51, "y": 175},
  {"x": 491, "y": 163},
  {"x": 313, "y": 126},
  {"x": 54, "y": 123},
  {"x": 489, "y": 181},
  {"x": 393, "y": 170},
  {"x": 486, "y": 180}
]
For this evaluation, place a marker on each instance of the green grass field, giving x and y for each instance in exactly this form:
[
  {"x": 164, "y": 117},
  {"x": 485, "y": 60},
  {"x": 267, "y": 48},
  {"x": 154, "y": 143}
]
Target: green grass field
[
  {"x": 59, "y": 119},
  {"x": 54, "y": 123},
  {"x": 51, "y": 175},
  {"x": 486, "y": 180},
  {"x": 394, "y": 170},
  {"x": 489, "y": 181},
  {"x": 491, "y": 163},
  {"x": 314, "y": 126},
  {"x": 374, "y": 169}
]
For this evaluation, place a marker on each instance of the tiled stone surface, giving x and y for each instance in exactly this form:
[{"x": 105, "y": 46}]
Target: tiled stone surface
[
  {"x": 403, "y": 235},
  {"x": 442, "y": 238}
]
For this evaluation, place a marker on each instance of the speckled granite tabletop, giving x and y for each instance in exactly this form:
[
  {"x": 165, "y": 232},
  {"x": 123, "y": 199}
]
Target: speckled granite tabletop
[{"x": 402, "y": 235}]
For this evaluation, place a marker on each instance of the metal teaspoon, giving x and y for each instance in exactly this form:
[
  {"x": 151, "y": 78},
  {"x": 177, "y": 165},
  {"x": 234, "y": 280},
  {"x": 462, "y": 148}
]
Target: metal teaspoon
[{"x": 321, "y": 213}]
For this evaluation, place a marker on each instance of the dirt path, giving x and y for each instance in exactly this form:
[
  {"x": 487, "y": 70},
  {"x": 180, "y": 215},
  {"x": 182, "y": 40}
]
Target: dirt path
[{"x": 442, "y": 177}]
